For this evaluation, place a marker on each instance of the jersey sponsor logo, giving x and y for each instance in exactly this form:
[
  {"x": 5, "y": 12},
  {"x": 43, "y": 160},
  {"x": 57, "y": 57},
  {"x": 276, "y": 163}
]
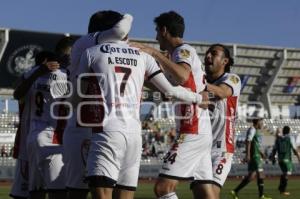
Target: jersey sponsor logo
[
  {"x": 22, "y": 59},
  {"x": 184, "y": 53},
  {"x": 107, "y": 48},
  {"x": 234, "y": 79}
]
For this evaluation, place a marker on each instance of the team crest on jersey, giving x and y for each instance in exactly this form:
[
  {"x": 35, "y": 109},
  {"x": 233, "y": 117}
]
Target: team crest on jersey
[
  {"x": 181, "y": 139},
  {"x": 184, "y": 53},
  {"x": 234, "y": 79}
]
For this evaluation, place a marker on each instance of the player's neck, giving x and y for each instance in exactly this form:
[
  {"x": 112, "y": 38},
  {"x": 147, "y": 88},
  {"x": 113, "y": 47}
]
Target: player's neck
[
  {"x": 174, "y": 43},
  {"x": 216, "y": 75}
]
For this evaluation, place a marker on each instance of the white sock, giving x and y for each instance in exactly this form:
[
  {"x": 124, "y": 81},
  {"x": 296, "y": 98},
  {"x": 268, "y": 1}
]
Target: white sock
[{"x": 171, "y": 195}]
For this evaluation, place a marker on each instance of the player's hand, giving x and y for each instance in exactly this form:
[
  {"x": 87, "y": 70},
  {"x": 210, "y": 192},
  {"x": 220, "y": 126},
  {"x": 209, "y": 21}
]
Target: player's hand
[
  {"x": 205, "y": 100},
  {"x": 247, "y": 159},
  {"x": 147, "y": 49},
  {"x": 52, "y": 65}
]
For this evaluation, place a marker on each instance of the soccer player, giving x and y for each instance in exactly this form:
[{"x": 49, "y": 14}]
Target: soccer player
[
  {"x": 284, "y": 147},
  {"x": 116, "y": 146},
  {"x": 20, "y": 185},
  {"x": 254, "y": 156},
  {"x": 225, "y": 89},
  {"x": 76, "y": 137},
  {"x": 44, "y": 152},
  {"x": 190, "y": 157}
]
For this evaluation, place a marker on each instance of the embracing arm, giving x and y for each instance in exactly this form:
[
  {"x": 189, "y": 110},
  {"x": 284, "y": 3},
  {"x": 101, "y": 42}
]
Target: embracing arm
[
  {"x": 179, "y": 92},
  {"x": 118, "y": 32},
  {"x": 221, "y": 91},
  {"x": 180, "y": 71}
]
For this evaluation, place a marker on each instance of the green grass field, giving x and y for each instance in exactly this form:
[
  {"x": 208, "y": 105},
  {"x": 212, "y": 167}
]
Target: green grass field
[{"x": 250, "y": 192}]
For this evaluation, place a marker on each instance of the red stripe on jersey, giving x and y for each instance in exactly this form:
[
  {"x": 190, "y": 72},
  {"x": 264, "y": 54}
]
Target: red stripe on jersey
[
  {"x": 63, "y": 111},
  {"x": 230, "y": 118},
  {"x": 190, "y": 125},
  {"x": 16, "y": 147}
]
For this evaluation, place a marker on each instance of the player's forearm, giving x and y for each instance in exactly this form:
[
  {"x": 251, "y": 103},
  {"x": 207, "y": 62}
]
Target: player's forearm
[
  {"x": 178, "y": 92},
  {"x": 217, "y": 91},
  {"x": 179, "y": 73},
  {"x": 248, "y": 146},
  {"x": 296, "y": 153},
  {"x": 119, "y": 31},
  {"x": 25, "y": 85}
]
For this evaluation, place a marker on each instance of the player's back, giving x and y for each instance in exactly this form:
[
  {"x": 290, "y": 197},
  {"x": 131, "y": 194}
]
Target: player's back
[
  {"x": 120, "y": 71},
  {"x": 43, "y": 94},
  {"x": 284, "y": 147}
]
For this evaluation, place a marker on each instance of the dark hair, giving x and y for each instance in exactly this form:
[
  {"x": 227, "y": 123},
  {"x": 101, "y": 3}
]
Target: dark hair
[
  {"x": 286, "y": 130},
  {"x": 63, "y": 44},
  {"x": 226, "y": 54},
  {"x": 43, "y": 55},
  {"x": 60, "y": 49},
  {"x": 173, "y": 22},
  {"x": 103, "y": 20},
  {"x": 256, "y": 120}
]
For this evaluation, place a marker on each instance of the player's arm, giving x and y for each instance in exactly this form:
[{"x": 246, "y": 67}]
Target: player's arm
[
  {"x": 26, "y": 83},
  {"x": 274, "y": 151},
  {"x": 118, "y": 32},
  {"x": 296, "y": 154},
  {"x": 248, "y": 148},
  {"x": 180, "y": 71},
  {"x": 78, "y": 82},
  {"x": 249, "y": 138},
  {"x": 160, "y": 81},
  {"x": 294, "y": 149},
  {"x": 221, "y": 91}
]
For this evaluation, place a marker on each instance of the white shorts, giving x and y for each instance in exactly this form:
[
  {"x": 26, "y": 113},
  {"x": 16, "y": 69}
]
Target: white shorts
[
  {"x": 116, "y": 155},
  {"x": 189, "y": 158},
  {"x": 221, "y": 166},
  {"x": 46, "y": 168},
  {"x": 76, "y": 144},
  {"x": 20, "y": 184},
  {"x": 35, "y": 179}
]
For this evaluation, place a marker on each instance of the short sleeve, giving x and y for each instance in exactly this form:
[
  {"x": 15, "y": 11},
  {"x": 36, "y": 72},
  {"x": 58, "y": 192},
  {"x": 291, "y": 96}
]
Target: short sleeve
[
  {"x": 250, "y": 134},
  {"x": 182, "y": 54},
  {"x": 151, "y": 65},
  {"x": 234, "y": 82}
]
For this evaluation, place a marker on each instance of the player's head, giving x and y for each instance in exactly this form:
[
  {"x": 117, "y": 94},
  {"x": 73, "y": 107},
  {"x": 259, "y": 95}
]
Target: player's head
[
  {"x": 44, "y": 56},
  {"x": 258, "y": 123},
  {"x": 103, "y": 20},
  {"x": 168, "y": 25},
  {"x": 217, "y": 59},
  {"x": 63, "y": 50},
  {"x": 286, "y": 130}
]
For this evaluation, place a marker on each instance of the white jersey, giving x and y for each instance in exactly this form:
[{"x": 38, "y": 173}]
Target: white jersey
[
  {"x": 120, "y": 71},
  {"x": 199, "y": 122},
  {"x": 224, "y": 113},
  {"x": 43, "y": 93}
]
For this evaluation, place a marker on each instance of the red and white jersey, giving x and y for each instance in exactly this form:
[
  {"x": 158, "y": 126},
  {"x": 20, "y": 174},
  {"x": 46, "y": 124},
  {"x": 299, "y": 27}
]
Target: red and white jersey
[
  {"x": 43, "y": 93},
  {"x": 224, "y": 113},
  {"x": 120, "y": 71},
  {"x": 199, "y": 122}
]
